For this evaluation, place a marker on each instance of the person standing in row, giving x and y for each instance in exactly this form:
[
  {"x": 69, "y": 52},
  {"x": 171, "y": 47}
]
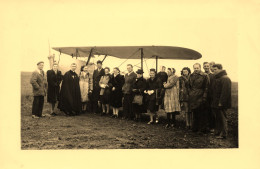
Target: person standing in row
[
  {"x": 162, "y": 75},
  {"x": 171, "y": 99},
  {"x": 86, "y": 87},
  {"x": 211, "y": 66},
  {"x": 98, "y": 73},
  {"x": 221, "y": 100},
  {"x": 39, "y": 85},
  {"x": 117, "y": 81},
  {"x": 105, "y": 91},
  {"x": 184, "y": 96},
  {"x": 70, "y": 97},
  {"x": 54, "y": 78},
  {"x": 198, "y": 90},
  {"x": 211, "y": 117},
  {"x": 128, "y": 93},
  {"x": 138, "y": 90},
  {"x": 153, "y": 91}
]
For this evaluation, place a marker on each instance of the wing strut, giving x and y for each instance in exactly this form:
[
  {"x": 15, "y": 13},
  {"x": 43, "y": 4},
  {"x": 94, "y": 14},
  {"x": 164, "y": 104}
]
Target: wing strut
[
  {"x": 89, "y": 56},
  {"x": 142, "y": 57},
  {"x": 156, "y": 58},
  {"x": 104, "y": 58}
]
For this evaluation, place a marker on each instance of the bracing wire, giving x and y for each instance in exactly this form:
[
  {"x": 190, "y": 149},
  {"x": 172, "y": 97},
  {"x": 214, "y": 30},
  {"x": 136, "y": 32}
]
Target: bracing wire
[{"x": 129, "y": 57}]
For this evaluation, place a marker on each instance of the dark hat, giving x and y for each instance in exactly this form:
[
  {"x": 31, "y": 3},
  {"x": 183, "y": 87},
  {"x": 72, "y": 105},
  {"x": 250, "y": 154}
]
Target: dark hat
[
  {"x": 99, "y": 61},
  {"x": 140, "y": 71},
  {"x": 40, "y": 62}
]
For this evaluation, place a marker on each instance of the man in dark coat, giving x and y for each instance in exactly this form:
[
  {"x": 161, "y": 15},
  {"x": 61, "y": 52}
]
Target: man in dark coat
[
  {"x": 70, "y": 97},
  {"x": 39, "y": 85},
  {"x": 198, "y": 90},
  {"x": 128, "y": 93},
  {"x": 54, "y": 79},
  {"x": 221, "y": 100},
  {"x": 162, "y": 75},
  {"x": 97, "y": 74},
  {"x": 210, "y": 115}
]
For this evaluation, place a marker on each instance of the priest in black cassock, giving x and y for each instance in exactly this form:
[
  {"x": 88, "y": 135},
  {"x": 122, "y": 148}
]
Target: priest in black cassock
[{"x": 70, "y": 98}]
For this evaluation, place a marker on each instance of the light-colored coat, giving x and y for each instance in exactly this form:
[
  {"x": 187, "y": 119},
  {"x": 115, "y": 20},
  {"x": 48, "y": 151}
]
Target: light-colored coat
[
  {"x": 171, "y": 97},
  {"x": 85, "y": 84},
  {"x": 39, "y": 83}
]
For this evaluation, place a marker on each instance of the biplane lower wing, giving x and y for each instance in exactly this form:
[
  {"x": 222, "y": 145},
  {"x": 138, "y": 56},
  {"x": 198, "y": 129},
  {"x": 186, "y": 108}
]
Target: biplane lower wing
[{"x": 133, "y": 52}]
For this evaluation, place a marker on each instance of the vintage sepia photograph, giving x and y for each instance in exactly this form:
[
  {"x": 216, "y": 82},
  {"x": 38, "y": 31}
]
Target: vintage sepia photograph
[
  {"x": 130, "y": 81},
  {"x": 129, "y": 84}
]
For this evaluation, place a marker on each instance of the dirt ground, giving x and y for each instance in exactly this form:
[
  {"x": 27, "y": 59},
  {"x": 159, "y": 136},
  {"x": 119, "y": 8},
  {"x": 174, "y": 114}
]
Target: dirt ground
[{"x": 91, "y": 131}]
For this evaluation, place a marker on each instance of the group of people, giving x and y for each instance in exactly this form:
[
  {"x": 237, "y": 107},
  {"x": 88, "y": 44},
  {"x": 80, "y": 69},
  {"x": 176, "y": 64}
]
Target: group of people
[{"x": 203, "y": 96}]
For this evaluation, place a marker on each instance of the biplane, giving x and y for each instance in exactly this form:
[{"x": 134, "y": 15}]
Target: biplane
[{"x": 83, "y": 55}]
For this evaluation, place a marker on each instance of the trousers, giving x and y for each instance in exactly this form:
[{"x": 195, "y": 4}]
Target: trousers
[
  {"x": 37, "y": 106},
  {"x": 221, "y": 126},
  {"x": 128, "y": 105}
]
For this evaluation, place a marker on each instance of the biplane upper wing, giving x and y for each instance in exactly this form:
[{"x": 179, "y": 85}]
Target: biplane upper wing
[{"x": 133, "y": 52}]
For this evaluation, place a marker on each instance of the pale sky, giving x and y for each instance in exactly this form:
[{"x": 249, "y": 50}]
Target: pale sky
[{"x": 211, "y": 29}]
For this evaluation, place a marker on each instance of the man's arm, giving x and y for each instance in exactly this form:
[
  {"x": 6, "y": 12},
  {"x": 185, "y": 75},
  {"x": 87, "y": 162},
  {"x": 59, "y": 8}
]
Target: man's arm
[{"x": 33, "y": 81}]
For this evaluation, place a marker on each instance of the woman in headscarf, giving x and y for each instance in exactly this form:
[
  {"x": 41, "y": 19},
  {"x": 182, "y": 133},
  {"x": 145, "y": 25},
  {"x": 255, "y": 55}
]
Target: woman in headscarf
[
  {"x": 184, "y": 95},
  {"x": 138, "y": 90},
  {"x": 171, "y": 97},
  {"x": 117, "y": 82},
  {"x": 86, "y": 86},
  {"x": 153, "y": 91},
  {"x": 105, "y": 91}
]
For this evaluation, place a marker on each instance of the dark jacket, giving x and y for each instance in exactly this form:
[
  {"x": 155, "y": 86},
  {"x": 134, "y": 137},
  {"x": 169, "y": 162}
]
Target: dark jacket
[
  {"x": 54, "y": 81},
  {"x": 117, "y": 94},
  {"x": 70, "y": 96},
  {"x": 221, "y": 90},
  {"x": 162, "y": 76},
  {"x": 198, "y": 89},
  {"x": 184, "y": 85},
  {"x": 39, "y": 83},
  {"x": 140, "y": 86},
  {"x": 156, "y": 85},
  {"x": 129, "y": 82},
  {"x": 96, "y": 78}
]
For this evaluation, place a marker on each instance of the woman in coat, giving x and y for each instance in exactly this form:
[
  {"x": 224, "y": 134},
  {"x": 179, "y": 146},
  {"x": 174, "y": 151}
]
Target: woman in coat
[
  {"x": 86, "y": 86},
  {"x": 54, "y": 79},
  {"x": 184, "y": 95},
  {"x": 117, "y": 82},
  {"x": 105, "y": 91},
  {"x": 171, "y": 98},
  {"x": 138, "y": 90},
  {"x": 153, "y": 91}
]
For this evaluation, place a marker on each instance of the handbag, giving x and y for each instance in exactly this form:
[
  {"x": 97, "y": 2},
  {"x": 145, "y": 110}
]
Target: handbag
[{"x": 138, "y": 99}]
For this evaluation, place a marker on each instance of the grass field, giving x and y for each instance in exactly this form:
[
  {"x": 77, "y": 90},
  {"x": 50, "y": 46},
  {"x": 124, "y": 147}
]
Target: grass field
[{"x": 90, "y": 131}]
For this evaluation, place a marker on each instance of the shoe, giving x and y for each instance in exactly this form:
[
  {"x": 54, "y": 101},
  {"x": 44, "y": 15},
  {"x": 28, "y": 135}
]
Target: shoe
[
  {"x": 156, "y": 121},
  {"x": 212, "y": 131},
  {"x": 172, "y": 125},
  {"x": 35, "y": 117},
  {"x": 150, "y": 122},
  {"x": 167, "y": 126},
  {"x": 53, "y": 114}
]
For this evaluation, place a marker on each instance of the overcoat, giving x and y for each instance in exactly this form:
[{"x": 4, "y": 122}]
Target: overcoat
[
  {"x": 198, "y": 89},
  {"x": 39, "y": 84},
  {"x": 86, "y": 85},
  {"x": 54, "y": 81},
  {"x": 221, "y": 91},
  {"x": 117, "y": 82},
  {"x": 154, "y": 100},
  {"x": 70, "y": 97},
  {"x": 171, "y": 97}
]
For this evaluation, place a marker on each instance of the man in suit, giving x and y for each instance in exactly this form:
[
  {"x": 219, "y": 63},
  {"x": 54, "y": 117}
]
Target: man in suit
[
  {"x": 39, "y": 85},
  {"x": 127, "y": 88},
  {"x": 54, "y": 79},
  {"x": 97, "y": 74}
]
